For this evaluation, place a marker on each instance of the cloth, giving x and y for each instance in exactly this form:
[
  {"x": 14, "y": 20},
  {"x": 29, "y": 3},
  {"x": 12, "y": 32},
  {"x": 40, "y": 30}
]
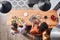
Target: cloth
[
  {"x": 34, "y": 30},
  {"x": 22, "y": 29}
]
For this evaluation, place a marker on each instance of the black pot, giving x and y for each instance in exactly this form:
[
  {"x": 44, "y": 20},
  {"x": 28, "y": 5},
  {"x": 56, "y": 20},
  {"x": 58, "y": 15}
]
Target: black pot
[
  {"x": 31, "y": 3},
  {"x": 44, "y": 6},
  {"x": 6, "y": 7},
  {"x": 43, "y": 27}
]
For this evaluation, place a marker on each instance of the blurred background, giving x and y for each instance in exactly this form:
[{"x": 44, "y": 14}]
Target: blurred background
[{"x": 17, "y": 5}]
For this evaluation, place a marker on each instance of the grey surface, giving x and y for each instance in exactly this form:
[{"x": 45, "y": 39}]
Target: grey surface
[
  {"x": 58, "y": 16},
  {"x": 57, "y": 6},
  {"x": 55, "y": 33},
  {"x": 5, "y": 34},
  {"x": 25, "y": 6}
]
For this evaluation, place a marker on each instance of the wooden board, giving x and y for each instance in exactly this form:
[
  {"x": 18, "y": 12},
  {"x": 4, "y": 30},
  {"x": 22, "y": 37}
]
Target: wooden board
[{"x": 20, "y": 13}]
